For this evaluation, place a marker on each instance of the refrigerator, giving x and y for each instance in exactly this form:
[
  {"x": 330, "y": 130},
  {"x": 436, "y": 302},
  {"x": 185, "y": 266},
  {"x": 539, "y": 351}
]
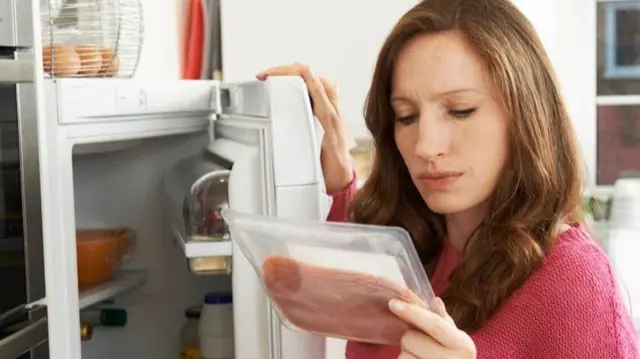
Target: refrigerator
[
  {"x": 96, "y": 153},
  {"x": 106, "y": 147}
]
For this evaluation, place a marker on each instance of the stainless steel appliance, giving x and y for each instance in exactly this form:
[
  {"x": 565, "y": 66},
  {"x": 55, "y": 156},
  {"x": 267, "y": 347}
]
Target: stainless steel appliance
[{"x": 23, "y": 327}]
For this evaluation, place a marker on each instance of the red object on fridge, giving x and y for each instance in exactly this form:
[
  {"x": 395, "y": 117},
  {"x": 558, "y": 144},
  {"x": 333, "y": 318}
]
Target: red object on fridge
[{"x": 194, "y": 40}]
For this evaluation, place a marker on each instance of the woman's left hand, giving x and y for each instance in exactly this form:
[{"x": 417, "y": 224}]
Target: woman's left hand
[{"x": 435, "y": 336}]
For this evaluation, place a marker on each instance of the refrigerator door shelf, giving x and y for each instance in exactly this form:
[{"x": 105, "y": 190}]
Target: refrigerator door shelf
[{"x": 198, "y": 249}]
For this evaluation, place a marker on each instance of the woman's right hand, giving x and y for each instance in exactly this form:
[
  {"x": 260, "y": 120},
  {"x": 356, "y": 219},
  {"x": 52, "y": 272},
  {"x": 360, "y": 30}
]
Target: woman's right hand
[{"x": 334, "y": 157}]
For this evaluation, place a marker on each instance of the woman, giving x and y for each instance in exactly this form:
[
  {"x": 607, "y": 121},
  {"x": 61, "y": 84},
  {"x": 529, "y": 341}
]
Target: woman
[{"x": 477, "y": 159}]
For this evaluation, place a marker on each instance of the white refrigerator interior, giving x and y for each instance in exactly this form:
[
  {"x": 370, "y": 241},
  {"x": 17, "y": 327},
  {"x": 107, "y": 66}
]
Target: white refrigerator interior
[{"x": 105, "y": 146}]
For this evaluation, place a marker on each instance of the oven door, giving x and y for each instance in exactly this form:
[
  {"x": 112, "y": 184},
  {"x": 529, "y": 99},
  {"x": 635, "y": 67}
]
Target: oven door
[{"x": 22, "y": 330}]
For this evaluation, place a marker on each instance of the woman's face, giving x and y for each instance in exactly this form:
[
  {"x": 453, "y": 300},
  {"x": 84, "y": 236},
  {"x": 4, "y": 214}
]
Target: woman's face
[{"x": 450, "y": 125}]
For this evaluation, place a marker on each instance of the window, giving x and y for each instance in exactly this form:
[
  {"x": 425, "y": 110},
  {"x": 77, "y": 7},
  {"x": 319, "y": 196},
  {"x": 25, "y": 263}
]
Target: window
[
  {"x": 619, "y": 25},
  {"x": 618, "y": 90}
]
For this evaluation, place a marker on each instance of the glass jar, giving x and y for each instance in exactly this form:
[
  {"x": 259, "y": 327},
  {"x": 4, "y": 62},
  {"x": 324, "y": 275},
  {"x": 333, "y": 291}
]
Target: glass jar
[{"x": 189, "y": 338}]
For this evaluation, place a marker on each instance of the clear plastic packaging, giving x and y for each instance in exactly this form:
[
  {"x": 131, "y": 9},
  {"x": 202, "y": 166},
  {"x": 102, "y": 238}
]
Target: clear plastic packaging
[{"x": 333, "y": 279}]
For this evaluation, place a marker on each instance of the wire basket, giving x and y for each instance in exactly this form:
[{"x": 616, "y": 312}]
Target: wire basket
[{"x": 91, "y": 38}]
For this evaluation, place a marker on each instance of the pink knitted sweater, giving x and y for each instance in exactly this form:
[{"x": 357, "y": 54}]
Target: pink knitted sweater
[{"x": 571, "y": 308}]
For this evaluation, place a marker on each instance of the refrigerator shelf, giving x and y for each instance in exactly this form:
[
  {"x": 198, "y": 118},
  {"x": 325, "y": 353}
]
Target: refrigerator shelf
[{"x": 121, "y": 283}]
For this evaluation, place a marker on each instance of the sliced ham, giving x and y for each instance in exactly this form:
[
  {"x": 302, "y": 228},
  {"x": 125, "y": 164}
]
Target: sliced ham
[{"x": 334, "y": 302}]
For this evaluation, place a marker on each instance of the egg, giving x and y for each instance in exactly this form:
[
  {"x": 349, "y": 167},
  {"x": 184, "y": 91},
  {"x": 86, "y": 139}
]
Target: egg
[
  {"x": 115, "y": 67},
  {"x": 91, "y": 58},
  {"x": 110, "y": 62},
  {"x": 61, "y": 60}
]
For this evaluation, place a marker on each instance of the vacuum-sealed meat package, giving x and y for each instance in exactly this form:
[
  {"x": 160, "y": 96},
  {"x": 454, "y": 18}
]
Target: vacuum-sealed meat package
[{"x": 333, "y": 279}]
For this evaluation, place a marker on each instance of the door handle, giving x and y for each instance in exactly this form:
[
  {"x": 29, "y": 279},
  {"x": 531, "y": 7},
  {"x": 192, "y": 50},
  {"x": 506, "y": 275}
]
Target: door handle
[
  {"x": 16, "y": 71},
  {"x": 21, "y": 342}
]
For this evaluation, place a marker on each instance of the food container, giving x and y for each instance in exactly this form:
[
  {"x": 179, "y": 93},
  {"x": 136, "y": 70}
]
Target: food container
[
  {"x": 100, "y": 252},
  {"x": 189, "y": 336},
  {"x": 625, "y": 206},
  {"x": 333, "y": 279},
  {"x": 215, "y": 328},
  {"x": 195, "y": 190}
]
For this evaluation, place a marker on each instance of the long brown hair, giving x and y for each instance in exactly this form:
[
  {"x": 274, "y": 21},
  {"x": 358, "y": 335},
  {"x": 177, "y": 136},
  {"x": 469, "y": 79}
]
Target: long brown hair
[{"x": 542, "y": 183}]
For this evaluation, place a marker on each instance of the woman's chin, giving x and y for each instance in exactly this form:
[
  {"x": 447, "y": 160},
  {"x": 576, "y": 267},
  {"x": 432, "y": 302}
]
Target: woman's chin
[{"x": 446, "y": 203}]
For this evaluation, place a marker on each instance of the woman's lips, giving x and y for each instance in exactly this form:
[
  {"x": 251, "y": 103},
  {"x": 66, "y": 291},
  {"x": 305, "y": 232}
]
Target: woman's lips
[{"x": 439, "y": 180}]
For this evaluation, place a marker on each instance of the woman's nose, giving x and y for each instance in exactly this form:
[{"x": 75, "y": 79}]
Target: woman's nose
[{"x": 433, "y": 137}]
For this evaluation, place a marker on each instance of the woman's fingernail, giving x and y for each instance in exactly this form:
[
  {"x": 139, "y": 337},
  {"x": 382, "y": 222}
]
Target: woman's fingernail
[{"x": 397, "y": 305}]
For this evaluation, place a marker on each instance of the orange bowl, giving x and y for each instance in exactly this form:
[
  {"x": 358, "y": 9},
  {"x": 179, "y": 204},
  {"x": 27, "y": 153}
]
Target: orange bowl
[{"x": 100, "y": 252}]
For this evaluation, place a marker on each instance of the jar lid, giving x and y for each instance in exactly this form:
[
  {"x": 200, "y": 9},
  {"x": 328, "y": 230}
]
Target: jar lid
[
  {"x": 193, "y": 312},
  {"x": 218, "y": 298}
]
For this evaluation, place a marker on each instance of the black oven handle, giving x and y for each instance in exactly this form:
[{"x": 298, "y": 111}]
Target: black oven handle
[
  {"x": 16, "y": 71},
  {"x": 21, "y": 342}
]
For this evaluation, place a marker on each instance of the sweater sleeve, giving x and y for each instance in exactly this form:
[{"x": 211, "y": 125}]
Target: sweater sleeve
[
  {"x": 341, "y": 200},
  {"x": 585, "y": 314}
]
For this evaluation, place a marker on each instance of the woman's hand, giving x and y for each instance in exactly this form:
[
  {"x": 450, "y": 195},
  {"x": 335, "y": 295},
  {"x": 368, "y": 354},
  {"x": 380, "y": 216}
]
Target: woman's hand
[
  {"x": 335, "y": 158},
  {"x": 436, "y": 335}
]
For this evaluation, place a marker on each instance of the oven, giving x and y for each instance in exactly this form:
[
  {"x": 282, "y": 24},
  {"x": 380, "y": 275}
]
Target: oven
[{"x": 23, "y": 325}]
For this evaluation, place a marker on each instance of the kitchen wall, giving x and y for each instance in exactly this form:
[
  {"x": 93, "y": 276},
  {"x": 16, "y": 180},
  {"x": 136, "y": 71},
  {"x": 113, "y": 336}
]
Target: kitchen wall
[
  {"x": 567, "y": 29},
  {"x": 259, "y": 34},
  {"x": 161, "y": 50},
  {"x": 324, "y": 34}
]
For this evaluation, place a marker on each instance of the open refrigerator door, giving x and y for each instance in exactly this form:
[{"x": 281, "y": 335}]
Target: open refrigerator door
[{"x": 263, "y": 158}]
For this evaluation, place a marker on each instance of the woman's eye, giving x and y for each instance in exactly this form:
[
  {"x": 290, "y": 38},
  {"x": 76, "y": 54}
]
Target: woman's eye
[
  {"x": 406, "y": 119},
  {"x": 462, "y": 113}
]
